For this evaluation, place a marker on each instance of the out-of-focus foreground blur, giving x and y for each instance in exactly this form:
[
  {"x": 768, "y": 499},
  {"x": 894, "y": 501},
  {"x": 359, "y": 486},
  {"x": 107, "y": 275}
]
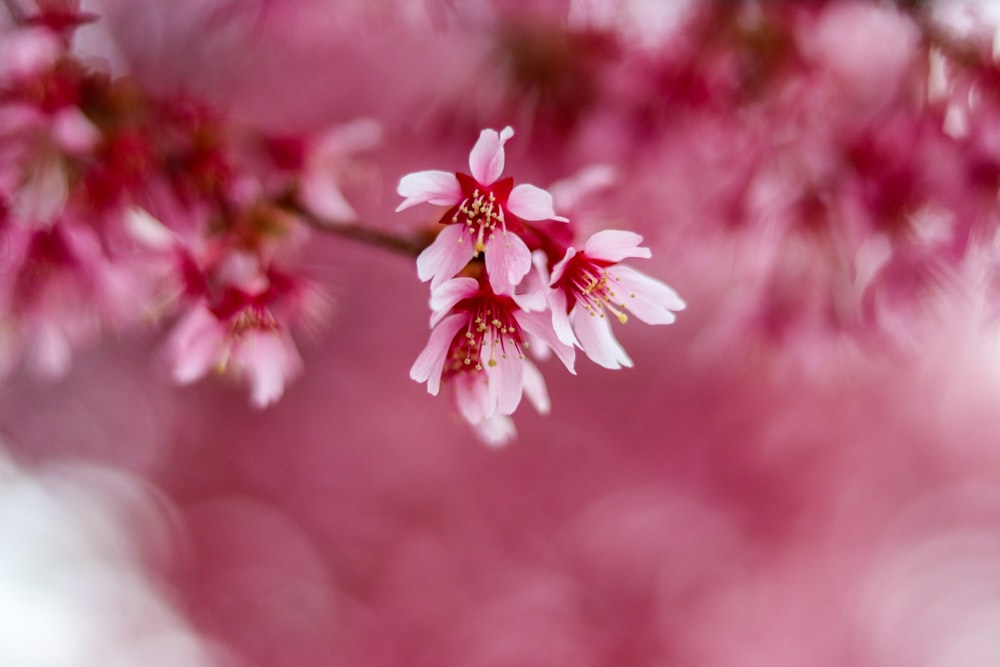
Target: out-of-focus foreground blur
[{"x": 803, "y": 470}]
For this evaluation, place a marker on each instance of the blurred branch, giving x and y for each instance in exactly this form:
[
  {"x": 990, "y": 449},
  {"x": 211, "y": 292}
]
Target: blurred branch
[
  {"x": 17, "y": 14},
  {"x": 410, "y": 246}
]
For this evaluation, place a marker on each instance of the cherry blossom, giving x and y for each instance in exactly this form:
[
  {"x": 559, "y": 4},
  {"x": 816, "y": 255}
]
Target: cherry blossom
[
  {"x": 589, "y": 284},
  {"x": 485, "y": 215},
  {"x": 237, "y": 323},
  {"x": 481, "y": 337},
  {"x": 248, "y": 343}
]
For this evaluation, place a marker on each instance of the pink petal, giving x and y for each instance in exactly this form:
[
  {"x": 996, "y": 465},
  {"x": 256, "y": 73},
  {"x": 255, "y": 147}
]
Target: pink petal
[
  {"x": 51, "y": 354},
  {"x": 269, "y": 360},
  {"x": 535, "y": 390},
  {"x": 74, "y": 132},
  {"x": 446, "y": 256},
  {"x": 195, "y": 345},
  {"x": 444, "y": 298},
  {"x": 472, "y": 396},
  {"x": 540, "y": 326},
  {"x": 43, "y": 197},
  {"x": 614, "y": 245},
  {"x": 568, "y": 192},
  {"x": 647, "y": 298},
  {"x": 27, "y": 51},
  {"x": 598, "y": 341},
  {"x": 429, "y": 187},
  {"x": 508, "y": 260},
  {"x": 486, "y": 160},
  {"x": 532, "y": 203},
  {"x": 430, "y": 362},
  {"x": 351, "y": 137},
  {"x": 560, "y": 267},
  {"x": 505, "y": 377},
  {"x": 322, "y": 197},
  {"x": 560, "y": 318}
]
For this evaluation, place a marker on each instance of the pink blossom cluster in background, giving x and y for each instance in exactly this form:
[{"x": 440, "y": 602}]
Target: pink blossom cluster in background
[{"x": 265, "y": 199}]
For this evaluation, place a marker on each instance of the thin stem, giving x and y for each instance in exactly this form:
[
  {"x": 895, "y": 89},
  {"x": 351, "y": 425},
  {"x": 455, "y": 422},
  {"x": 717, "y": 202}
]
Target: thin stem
[
  {"x": 405, "y": 245},
  {"x": 17, "y": 14}
]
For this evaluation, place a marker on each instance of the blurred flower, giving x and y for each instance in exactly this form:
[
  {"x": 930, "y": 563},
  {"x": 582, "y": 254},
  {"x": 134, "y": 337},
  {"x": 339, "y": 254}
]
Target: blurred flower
[
  {"x": 238, "y": 326},
  {"x": 74, "y": 588}
]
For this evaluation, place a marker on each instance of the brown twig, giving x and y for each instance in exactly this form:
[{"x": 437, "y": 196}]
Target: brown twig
[
  {"x": 410, "y": 246},
  {"x": 17, "y": 14}
]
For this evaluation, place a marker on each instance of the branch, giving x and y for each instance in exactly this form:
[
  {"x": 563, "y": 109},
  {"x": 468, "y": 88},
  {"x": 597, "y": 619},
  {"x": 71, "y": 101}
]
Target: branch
[
  {"x": 410, "y": 246},
  {"x": 17, "y": 14}
]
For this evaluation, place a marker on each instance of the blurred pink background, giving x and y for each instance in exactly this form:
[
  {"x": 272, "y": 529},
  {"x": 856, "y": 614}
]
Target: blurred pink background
[{"x": 790, "y": 475}]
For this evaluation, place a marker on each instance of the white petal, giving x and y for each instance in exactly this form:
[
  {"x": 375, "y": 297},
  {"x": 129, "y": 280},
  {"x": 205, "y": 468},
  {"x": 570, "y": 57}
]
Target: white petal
[
  {"x": 495, "y": 431},
  {"x": 269, "y": 360},
  {"x": 429, "y": 187},
  {"x": 506, "y": 379},
  {"x": 508, "y": 260},
  {"x": 560, "y": 318},
  {"x": 430, "y": 362},
  {"x": 444, "y": 298},
  {"x": 486, "y": 161},
  {"x": 446, "y": 256},
  {"x": 597, "y": 340},
  {"x": 535, "y": 390},
  {"x": 647, "y": 298},
  {"x": 195, "y": 345},
  {"x": 322, "y": 197},
  {"x": 614, "y": 245},
  {"x": 532, "y": 301},
  {"x": 560, "y": 267},
  {"x": 532, "y": 203},
  {"x": 147, "y": 230},
  {"x": 472, "y": 395},
  {"x": 540, "y": 326}
]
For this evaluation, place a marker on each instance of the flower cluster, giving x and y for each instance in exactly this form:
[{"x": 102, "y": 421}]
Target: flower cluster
[
  {"x": 489, "y": 308},
  {"x": 118, "y": 207}
]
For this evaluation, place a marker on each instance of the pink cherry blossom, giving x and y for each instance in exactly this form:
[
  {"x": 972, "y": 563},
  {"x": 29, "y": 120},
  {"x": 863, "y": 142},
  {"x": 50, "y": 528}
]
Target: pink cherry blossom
[
  {"x": 249, "y": 343},
  {"x": 485, "y": 215},
  {"x": 588, "y": 284},
  {"x": 472, "y": 395},
  {"x": 58, "y": 291},
  {"x": 479, "y": 342}
]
